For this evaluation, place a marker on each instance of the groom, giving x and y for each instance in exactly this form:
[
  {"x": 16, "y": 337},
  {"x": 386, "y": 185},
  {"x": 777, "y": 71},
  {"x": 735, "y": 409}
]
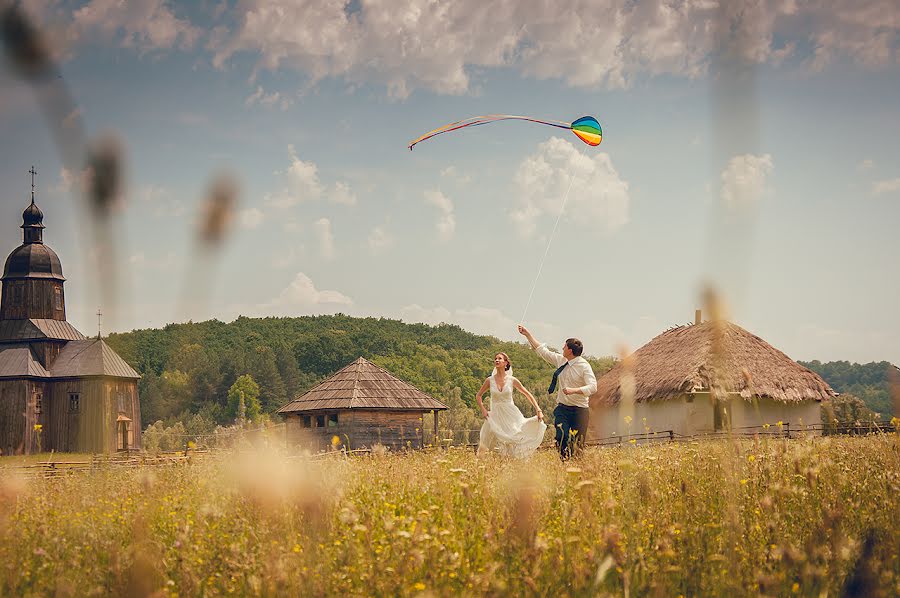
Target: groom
[{"x": 575, "y": 382}]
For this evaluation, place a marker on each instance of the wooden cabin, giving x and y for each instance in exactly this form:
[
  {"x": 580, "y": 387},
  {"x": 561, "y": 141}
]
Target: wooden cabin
[
  {"x": 362, "y": 405},
  {"x": 706, "y": 377},
  {"x": 59, "y": 390}
]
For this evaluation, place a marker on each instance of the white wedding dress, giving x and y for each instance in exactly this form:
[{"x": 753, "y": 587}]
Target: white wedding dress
[{"x": 506, "y": 430}]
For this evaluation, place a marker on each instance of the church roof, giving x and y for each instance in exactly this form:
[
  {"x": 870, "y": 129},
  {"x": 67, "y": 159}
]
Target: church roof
[
  {"x": 91, "y": 357},
  {"x": 689, "y": 358},
  {"x": 38, "y": 329},
  {"x": 363, "y": 385},
  {"x": 19, "y": 362},
  {"x": 33, "y": 260}
]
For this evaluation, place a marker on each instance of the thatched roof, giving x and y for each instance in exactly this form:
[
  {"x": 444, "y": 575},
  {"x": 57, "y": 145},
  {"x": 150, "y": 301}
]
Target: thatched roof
[
  {"x": 681, "y": 360},
  {"x": 363, "y": 385}
]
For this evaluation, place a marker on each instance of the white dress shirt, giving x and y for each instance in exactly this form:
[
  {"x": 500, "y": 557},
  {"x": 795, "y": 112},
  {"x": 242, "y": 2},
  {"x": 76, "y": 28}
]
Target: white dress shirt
[{"x": 578, "y": 374}]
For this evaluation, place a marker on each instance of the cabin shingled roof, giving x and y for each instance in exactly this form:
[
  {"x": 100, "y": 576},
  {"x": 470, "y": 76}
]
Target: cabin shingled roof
[
  {"x": 363, "y": 385},
  {"x": 681, "y": 360}
]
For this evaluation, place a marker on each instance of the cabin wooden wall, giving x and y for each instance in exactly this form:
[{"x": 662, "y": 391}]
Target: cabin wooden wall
[{"x": 358, "y": 429}]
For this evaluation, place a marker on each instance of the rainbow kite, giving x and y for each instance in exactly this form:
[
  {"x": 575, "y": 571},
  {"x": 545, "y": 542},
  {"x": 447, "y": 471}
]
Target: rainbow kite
[{"x": 585, "y": 128}]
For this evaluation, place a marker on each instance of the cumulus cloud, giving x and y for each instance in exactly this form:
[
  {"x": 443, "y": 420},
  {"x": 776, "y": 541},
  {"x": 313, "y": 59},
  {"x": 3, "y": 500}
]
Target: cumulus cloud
[
  {"x": 744, "y": 180},
  {"x": 269, "y": 100},
  {"x": 303, "y": 184},
  {"x": 250, "y": 218},
  {"x": 322, "y": 229},
  {"x": 597, "y": 196},
  {"x": 141, "y": 24},
  {"x": 889, "y": 186},
  {"x": 446, "y": 224},
  {"x": 302, "y": 296},
  {"x": 380, "y": 239},
  {"x": 412, "y": 44}
]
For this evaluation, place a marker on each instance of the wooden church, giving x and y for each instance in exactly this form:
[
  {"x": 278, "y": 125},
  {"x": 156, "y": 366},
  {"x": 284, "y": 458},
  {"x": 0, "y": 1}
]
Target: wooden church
[{"x": 59, "y": 390}]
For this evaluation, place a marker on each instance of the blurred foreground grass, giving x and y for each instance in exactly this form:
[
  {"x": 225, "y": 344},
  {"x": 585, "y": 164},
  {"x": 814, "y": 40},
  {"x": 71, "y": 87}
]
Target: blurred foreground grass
[{"x": 774, "y": 517}]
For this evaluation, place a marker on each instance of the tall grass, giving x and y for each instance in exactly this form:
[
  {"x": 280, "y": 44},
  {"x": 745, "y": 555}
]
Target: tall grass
[{"x": 799, "y": 517}]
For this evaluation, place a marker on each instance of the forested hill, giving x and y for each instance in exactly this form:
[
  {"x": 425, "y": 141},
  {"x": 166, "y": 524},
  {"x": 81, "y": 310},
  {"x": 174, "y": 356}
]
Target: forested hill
[
  {"x": 867, "y": 381},
  {"x": 188, "y": 368}
]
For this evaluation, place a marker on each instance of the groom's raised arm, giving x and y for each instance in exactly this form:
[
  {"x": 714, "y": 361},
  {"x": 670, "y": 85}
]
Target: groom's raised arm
[{"x": 554, "y": 359}]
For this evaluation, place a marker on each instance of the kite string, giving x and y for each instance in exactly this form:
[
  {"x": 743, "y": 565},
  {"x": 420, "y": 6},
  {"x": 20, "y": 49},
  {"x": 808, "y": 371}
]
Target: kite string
[{"x": 549, "y": 242}]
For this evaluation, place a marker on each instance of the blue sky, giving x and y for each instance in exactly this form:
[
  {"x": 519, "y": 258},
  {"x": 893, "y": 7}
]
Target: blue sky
[{"x": 781, "y": 188}]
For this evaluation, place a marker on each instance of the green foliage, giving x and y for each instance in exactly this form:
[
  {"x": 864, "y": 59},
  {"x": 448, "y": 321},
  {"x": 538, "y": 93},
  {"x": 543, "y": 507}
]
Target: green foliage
[
  {"x": 868, "y": 382},
  {"x": 190, "y": 368},
  {"x": 243, "y": 399}
]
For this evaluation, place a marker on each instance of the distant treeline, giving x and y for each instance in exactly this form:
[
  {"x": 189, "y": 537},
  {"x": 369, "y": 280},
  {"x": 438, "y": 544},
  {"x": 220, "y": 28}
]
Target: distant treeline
[
  {"x": 188, "y": 368},
  {"x": 866, "y": 381}
]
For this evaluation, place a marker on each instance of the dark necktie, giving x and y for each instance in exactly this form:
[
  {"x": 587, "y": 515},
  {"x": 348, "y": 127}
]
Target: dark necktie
[{"x": 556, "y": 377}]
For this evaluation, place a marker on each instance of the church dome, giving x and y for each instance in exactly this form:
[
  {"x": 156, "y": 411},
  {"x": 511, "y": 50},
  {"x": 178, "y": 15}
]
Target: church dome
[
  {"x": 32, "y": 216},
  {"x": 33, "y": 260}
]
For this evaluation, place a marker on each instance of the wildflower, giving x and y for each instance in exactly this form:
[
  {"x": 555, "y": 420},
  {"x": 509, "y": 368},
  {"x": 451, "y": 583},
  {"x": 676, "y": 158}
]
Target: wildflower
[
  {"x": 627, "y": 419},
  {"x": 744, "y": 482},
  {"x": 751, "y": 458},
  {"x": 795, "y": 589},
  {"x": 38, "y": 427},
  {"x": 335, "y": 441}
]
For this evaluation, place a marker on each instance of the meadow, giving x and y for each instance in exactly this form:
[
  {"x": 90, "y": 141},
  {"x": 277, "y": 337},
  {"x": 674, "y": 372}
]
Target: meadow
[{"x": 808, "y": 517}]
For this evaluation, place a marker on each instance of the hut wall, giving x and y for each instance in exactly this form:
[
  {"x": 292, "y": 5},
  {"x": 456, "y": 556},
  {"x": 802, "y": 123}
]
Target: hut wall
[
  {"x": 678, "y": 414},
  {"x": 13, "y": 416},
  {"x": 394, "y": 429},
  {"x": 357, "y": 429},
  {"x": 769, "y": 411}
]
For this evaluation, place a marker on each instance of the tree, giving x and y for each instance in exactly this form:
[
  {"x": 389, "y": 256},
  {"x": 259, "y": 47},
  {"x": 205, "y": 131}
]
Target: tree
[{"x": 246, "y": 390}]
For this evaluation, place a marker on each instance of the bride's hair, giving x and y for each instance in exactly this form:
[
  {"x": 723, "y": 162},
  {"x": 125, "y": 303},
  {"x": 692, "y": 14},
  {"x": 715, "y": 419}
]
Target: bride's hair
[{"x": 506, "y": 357}]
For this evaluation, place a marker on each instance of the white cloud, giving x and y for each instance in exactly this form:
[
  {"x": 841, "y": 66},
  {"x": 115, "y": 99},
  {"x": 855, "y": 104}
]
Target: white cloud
[
  {"x": 341, "y": 193},
  {"x": 380, "y": 239},
  {"x": 865, "y": 165},
  {"x": 303, "y": 184},
  {"x": 889, "y": 186},
  {"x": 744, "y": 180},
  {"x": 269, "y": 100},
  {"x": 322, "y": 228},
  {"x": 302, "y": 296},
  {"x": 446, "y": 224},
  {"x": 141, "y": 24},
  {"x": 418, "y": 44},
  {"x": 250, "y": 218},
  {"x": 598, "y": 197},
  {"x": 453, "y": 173}
]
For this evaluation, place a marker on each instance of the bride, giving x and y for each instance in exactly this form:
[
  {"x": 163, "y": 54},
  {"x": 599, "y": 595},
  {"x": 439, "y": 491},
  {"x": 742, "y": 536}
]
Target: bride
[{"x": 505, "y": 429}]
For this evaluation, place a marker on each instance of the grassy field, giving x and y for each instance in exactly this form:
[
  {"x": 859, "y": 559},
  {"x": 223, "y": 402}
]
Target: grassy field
[{"x": 799, "y": 517}]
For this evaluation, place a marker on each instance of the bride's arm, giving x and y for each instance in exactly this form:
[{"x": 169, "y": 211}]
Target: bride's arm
[
  {"x": 481, "y": 391},
  {"x": 518, "y": 386}
]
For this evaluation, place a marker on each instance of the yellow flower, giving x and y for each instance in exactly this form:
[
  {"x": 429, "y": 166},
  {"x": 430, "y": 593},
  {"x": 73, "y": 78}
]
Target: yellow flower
[
  {"x": 751, "y": 458},
  {"x": 627, "y": 419},
  {"x": 780, "y": 423},
  {"x": 419, "y": 586},
  {"x": 795, "y": 589},
  {"x": 38, "y": 427},
  {"x": 335, "y": 440},
  {"x": 744, "y": 482}
]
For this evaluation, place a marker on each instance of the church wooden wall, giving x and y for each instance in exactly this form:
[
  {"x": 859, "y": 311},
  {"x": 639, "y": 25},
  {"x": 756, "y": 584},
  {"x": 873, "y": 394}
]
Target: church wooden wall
[
  {"x": 33, "y": 298},
  {"x": 396, "y": 430},
  {"x": 12, "y": 416},
  {"x": 93, "y": 428}
]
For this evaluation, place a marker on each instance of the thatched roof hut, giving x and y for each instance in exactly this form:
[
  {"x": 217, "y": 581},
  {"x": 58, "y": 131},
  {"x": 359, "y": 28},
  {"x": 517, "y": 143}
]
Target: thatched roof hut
[
  {"x": 694, "y": 359},
  {"x": 363, "y": 405}
]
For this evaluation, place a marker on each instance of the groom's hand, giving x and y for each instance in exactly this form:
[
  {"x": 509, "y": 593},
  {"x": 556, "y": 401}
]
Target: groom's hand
[
  {"x": 522, "y": 330},
  {"x": 570, "y": 391}
]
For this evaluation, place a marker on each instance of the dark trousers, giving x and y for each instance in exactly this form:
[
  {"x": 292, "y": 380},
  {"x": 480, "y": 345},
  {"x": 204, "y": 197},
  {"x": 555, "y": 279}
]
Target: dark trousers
[{"x": 571, "y": 425}]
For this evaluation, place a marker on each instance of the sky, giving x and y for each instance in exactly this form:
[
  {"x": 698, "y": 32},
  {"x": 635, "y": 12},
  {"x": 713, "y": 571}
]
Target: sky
[{"x": 753, "y": 148}]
